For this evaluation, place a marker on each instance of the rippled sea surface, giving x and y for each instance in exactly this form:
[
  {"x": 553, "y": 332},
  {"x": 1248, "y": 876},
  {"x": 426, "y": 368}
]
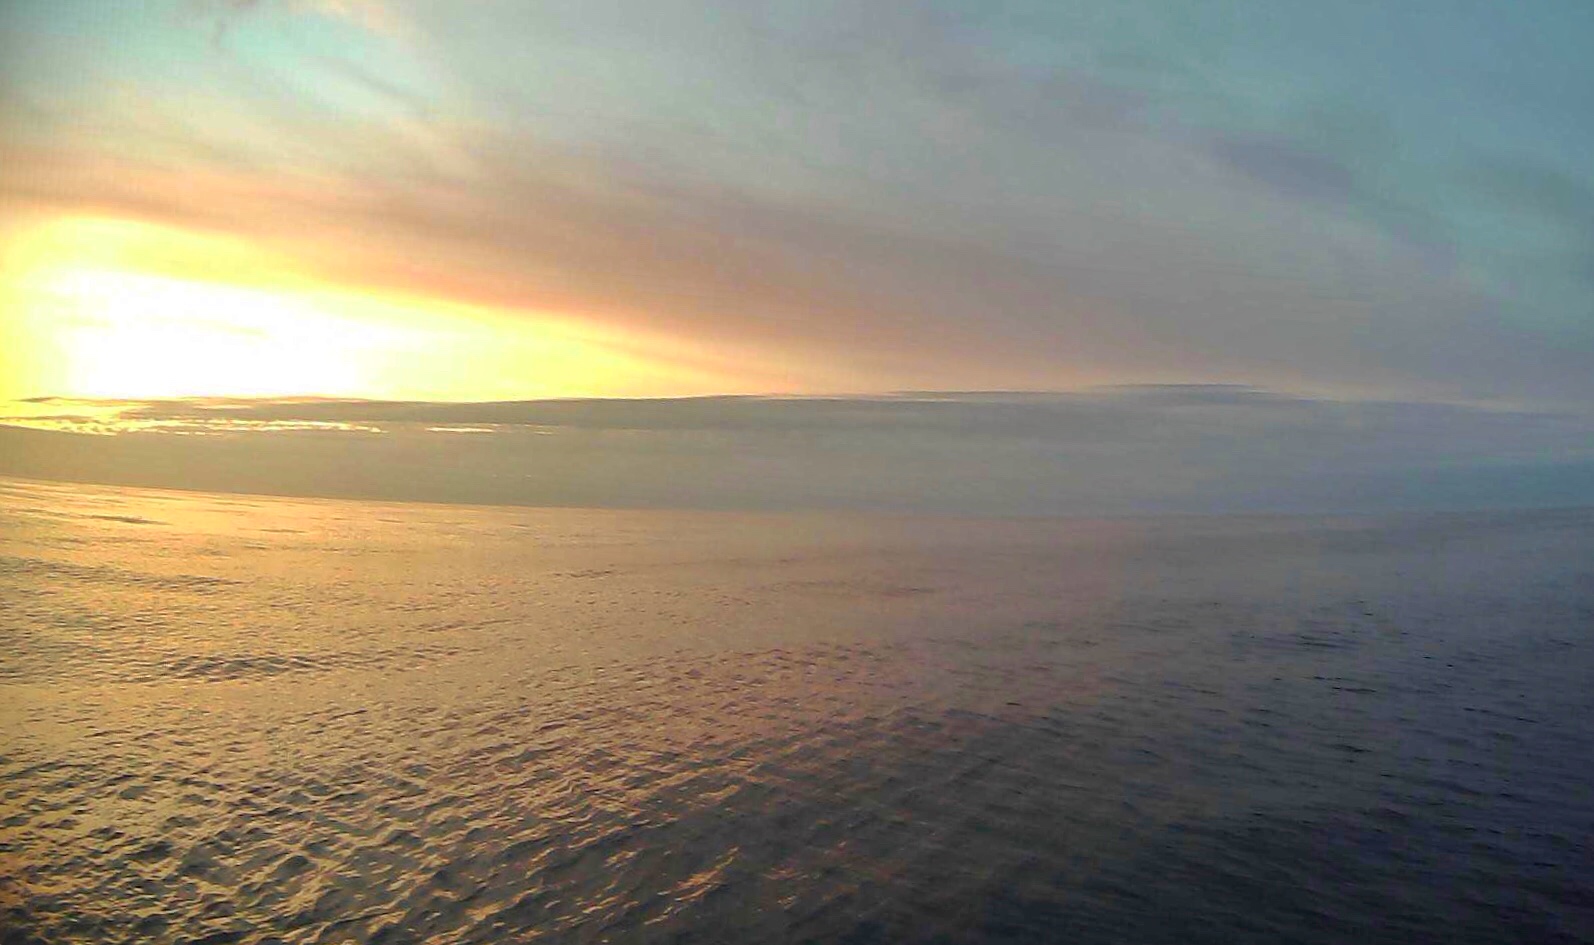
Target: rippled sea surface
[{"x": 238, "y": 719}]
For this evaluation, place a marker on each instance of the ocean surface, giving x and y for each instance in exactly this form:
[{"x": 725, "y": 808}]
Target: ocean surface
[{"x": 238, "y": 719}]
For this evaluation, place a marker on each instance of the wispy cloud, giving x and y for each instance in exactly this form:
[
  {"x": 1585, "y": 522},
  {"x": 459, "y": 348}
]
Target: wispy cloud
[{"x": 378, "y": 16}]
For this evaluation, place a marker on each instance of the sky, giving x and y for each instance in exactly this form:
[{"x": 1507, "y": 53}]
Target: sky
[{"x": 484, "y": 200}]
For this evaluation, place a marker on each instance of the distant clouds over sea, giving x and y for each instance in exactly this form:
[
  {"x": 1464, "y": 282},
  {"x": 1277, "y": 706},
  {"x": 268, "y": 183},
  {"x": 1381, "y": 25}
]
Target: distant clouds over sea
[{"x": 1122, "y": 450}]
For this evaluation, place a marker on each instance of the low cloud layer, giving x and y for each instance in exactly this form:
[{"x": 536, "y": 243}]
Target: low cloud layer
[{"x": 1195, "y": 449}]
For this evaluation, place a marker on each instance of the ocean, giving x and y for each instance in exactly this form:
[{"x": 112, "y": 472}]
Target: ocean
[{"x": 241, "y": 719}]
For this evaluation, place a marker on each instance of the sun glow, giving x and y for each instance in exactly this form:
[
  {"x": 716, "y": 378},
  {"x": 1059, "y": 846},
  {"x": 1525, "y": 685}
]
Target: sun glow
[
  {"x": 117, "y": 309},
  {"x": 133, "y": 335}
]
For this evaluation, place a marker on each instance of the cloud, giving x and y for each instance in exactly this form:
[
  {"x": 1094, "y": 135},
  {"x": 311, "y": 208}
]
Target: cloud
[
  {"x": 1106, "y": 451},
  {"x": 376, "y": 16},
  {"x": 839, "y": 295},
  {"x": 868, "y": 196},
  {"x": 1294, "y": 171}
]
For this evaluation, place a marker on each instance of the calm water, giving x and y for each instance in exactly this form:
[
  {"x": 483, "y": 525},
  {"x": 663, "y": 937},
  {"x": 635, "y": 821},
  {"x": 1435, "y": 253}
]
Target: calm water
[{"x": 236, "y": 719}]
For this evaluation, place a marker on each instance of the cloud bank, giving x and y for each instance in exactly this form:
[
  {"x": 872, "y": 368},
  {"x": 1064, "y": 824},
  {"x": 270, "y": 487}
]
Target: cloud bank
[{"x": 1198, "y": 449}]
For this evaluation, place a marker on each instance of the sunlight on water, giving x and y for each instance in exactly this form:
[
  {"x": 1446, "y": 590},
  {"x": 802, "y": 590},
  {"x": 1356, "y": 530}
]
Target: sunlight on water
[{"x": 239, "y": 719}]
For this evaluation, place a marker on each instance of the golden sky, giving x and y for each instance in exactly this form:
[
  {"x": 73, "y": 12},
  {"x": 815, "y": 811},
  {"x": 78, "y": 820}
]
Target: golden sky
[
  {"x": 415, "y": 199},
  {"x": 101, "y": 307}
]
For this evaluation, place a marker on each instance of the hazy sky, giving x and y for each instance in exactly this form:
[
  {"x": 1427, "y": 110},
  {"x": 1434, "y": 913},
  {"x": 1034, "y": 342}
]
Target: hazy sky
[{"x": 486, "y": 200}]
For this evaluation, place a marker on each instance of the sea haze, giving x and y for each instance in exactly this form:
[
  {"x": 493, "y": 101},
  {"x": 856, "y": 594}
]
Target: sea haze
[
  {"x": 1108, "y": 451},
  {"x": 246, "y": 719}
]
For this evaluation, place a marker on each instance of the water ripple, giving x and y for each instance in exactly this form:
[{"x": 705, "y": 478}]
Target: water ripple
[{"x": 377, "y": 731}]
